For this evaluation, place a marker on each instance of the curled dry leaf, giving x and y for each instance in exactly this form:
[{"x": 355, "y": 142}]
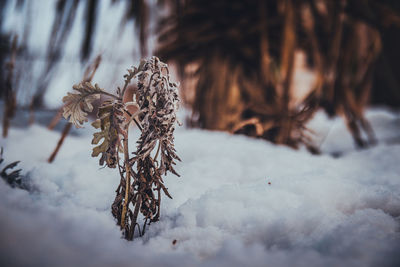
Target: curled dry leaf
[
  {"x": 78, "y": 104},
  {"x": 110, "y": 120},
  {"x": 158, "y": 100}
]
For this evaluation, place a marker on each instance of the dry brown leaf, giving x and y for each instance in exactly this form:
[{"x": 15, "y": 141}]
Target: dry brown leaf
[
  {"x": 110, "y": 119},
  {"x": 78, "y": 104}
]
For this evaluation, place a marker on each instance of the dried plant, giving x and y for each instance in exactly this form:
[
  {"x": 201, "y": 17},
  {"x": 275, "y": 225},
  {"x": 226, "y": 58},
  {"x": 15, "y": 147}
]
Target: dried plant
[
  {"x": 87, "y": 77},
  {"x": 156, "y": 101},
  {"x": 240, "y": 58},
  {"x": 13, "y": 178}
]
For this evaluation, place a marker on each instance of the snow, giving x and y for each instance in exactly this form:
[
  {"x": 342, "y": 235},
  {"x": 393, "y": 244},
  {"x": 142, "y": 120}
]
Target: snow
[{"x": 239, "y": 202}]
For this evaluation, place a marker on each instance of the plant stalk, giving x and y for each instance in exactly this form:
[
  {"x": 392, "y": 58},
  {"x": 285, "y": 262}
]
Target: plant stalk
[
  {"x": 64, "y": 134},
  {"x": 135, "y": 215},
  {"x": 127, "y": 180}
]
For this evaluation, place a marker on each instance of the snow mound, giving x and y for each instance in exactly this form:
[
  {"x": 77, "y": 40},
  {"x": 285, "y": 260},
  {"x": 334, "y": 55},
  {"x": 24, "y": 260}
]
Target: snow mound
[{"x": 239, "y": 202}]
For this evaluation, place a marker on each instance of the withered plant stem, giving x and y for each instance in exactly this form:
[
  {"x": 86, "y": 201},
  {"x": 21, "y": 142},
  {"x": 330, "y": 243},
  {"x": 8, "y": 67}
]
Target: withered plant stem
[
  {"x": 158, "y": 151},
  {"x": 127, "y": 180},
  {"x": 125, "y": 86},
  {"x": 134, "y": 120},
  {"x": 111, "y": 95},
  {"x": 56, "y": 119},
  {"x": 65, "y": 132},
  {"x": 134, "y": 217}
]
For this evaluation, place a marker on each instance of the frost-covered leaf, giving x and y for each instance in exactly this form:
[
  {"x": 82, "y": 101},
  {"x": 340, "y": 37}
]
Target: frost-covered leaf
[{"x": 78, "y": 104}]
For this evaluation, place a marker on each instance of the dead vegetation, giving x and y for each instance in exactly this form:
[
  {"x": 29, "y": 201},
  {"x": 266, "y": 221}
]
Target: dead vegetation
[
  {"x": 236, "y": 60},
  {"x": 241, "y": 55},
  {"x": 87, "y": 77},
  {"x": 156, "y": 101},
  {"x": 11, "y": 176}
]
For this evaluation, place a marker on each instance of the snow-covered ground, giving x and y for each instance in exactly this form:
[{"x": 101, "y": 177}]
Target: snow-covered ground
[{"x": 238, "y": 202}]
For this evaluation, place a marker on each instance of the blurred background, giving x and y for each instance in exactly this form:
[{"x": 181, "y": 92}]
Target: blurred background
[{"x": 262, "y": 68}]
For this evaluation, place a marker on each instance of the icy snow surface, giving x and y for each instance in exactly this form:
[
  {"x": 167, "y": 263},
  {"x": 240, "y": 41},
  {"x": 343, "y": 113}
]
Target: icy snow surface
[{"x": 239, "y": 202}]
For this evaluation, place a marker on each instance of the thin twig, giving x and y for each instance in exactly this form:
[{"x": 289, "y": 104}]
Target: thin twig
[
  {"x": 65, "y": 132},
  {"x": 127, "y": 180}
]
